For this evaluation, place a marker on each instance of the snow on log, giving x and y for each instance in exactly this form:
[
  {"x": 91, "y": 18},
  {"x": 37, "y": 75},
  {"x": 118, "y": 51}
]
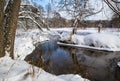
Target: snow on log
[{"x": 97, "y": 41}]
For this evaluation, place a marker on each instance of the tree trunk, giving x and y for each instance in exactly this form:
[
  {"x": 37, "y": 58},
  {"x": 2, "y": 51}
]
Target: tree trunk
[
  {"x": 2, "y": 53},
  {"x": 74, "y": 31},
  {"x": 11, "y": 16}
]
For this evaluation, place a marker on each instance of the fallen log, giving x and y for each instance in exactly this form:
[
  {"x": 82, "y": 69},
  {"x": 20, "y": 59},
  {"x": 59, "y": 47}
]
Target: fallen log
[{"x": 87, "y": 47}]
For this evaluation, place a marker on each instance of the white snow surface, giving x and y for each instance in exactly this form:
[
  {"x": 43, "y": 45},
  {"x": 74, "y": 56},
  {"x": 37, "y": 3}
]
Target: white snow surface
[
  {"x": 25, "y": 42},
  {"x": 103, "y": 40},
  {"x": 73, "y": 77},
  {"x": 78, "y": 39}
]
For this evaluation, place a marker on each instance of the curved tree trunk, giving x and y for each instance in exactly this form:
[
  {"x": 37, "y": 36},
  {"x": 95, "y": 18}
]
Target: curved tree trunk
[{"x": 11, "y": 16}]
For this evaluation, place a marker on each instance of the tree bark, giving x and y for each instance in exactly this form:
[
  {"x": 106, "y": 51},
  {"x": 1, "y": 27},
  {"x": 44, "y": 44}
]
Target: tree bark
[
  {"x": 11, "y": 16},
  {"x": 2, "y": 53}
]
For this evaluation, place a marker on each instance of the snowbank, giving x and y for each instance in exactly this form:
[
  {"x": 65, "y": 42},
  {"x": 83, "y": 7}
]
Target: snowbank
[
  {"x": 71, "y": 77},
  {"x": 25, "y": 42},
  {"x": 23, "y": 47},
  {"x": 89, "y": 38},
  {"x": 78, "y": 39},
  {"x": 103, "y": 41},
  {"x": 64, "y": 35},
  {"x": 100, "y": 41},
  {"x": 16, "y": 70}
]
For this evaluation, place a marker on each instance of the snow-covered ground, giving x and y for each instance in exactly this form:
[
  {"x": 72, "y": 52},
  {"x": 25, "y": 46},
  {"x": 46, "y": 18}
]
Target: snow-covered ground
[
  {"x": 19, "y": 70},
  {"x": 103, "y": 40},
  {"x": 108, "y": 39}
]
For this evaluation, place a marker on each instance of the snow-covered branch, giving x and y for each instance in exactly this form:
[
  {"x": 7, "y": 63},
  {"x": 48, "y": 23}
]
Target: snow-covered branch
[
  {"x": 35, "y": 15},
  {"x": 28, "y": 17}
]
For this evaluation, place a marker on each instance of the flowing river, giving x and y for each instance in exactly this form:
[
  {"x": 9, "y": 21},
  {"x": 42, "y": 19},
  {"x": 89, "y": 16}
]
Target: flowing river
[{"x": 92, "y": 64}]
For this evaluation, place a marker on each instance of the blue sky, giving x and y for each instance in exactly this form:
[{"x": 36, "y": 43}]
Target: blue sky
[{"x": 42, "y": 2}]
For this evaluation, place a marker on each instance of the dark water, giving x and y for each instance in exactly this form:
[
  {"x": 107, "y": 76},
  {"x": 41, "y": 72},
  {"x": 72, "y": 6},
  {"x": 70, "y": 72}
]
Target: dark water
[{"x": 92, "y": 64}]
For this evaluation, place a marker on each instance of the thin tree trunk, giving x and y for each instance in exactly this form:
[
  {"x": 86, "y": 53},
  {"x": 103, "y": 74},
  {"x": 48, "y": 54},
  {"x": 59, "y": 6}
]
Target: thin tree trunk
[
  {"x": 11, "y": 16},
  {"x": 75, "y": 25},
  {"x": 74, "y": 31},
  {"x": 2, "y": 53}
]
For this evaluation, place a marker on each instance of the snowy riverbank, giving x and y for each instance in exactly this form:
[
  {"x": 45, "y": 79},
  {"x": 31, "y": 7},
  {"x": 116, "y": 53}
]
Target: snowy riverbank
[{"x": 19, "y": 70}]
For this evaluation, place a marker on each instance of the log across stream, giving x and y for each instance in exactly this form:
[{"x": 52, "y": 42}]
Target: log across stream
[{"x": 92, "y": 64}]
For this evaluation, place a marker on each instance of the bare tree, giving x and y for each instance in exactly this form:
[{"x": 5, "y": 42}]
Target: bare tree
[{"x": 78, "y": 9}]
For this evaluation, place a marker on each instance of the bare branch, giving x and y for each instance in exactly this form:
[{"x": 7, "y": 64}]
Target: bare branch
[
  {"x": 93, "y": 13},
  {"x": 32, "y": 20},
  {"x": 115, "y": 9},
  {"x": 36, "y": 15}
]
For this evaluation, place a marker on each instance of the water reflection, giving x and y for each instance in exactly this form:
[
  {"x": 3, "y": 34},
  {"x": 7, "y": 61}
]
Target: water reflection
[
  {"x": 97, "y": 65},
  {"x": 91, "y": 64}
]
